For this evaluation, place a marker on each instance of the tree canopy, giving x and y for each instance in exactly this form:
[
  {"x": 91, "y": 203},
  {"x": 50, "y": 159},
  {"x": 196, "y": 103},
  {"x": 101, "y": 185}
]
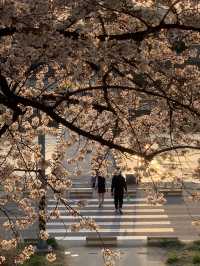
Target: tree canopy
[
  {"x": 90, "y": 66},
  {"x": 122, "y": 75}
]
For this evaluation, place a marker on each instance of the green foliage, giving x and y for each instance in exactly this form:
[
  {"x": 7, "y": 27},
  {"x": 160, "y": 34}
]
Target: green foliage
[
  {"x": 197, "y": 242},
  {"x": 196, "y": 259},
  {"x": 40, "y": 260},
  {"x": 167, "y": 243},
  {"x": 36, "y": 260},
  {"x": 183, "y": 255},
  {"x": 172, "y": 243},
  {"x": 173, "y": 258},
  {"x": 53, "y": 243},
  {"x": 195, "y": 246}
]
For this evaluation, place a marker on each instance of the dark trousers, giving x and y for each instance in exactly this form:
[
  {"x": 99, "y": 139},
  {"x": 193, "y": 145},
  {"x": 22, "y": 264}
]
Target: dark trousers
[{"x": 118, "y": 199}]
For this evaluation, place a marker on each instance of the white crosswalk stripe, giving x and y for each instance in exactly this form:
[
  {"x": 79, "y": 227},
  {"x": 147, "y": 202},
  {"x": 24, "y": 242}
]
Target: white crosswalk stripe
[
  {"x": 118, "y": 230},
  {"x": 83, "y": 238},
  {"x": 116, "y": 216},
  {"x": 115, "y": 223},
  {"x": 139, "y": 219},
  {"x": 105, "y": 200},
  {"x": 110, "y": 206},
  {"x": 102, "y": 211}
]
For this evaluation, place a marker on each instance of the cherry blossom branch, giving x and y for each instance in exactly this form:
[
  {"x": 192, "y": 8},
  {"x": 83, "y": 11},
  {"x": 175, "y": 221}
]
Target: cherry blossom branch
[
  {"x": 138, "y": 89},
  {"x": 12, "y": 224},
  {"x": 52, "y": 113},
  {"x": 169, "y": 10},
  {"x": 172, "y": 148},
  {"x": 136, "y": 36},
  {"x": 49, "y": 111},
  {"x": 141, "y": 35}
]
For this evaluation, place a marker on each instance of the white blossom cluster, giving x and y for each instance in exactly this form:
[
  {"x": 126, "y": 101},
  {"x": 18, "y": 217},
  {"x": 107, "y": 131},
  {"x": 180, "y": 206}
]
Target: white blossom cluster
[{"x": 121, "y": 76}]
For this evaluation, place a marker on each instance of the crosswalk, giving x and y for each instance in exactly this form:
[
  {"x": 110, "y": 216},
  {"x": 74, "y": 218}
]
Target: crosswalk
[{"x": 139, "y": 219}]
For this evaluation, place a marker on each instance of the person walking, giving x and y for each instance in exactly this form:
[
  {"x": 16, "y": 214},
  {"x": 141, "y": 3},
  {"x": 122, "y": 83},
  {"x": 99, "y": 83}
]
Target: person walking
[
  {"x": 118, "y": 188},
  {"x": 93, "y": 184},
  {"x": 101, "y": 189}
]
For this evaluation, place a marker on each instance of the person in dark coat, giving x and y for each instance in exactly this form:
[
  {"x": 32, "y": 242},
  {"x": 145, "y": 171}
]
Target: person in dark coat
[
  {"x": 101, "y": 189},
  {"x": 93, "y": 181},
  {"x": 118, "y": 188},
  {"x": 93, "y": 184}
]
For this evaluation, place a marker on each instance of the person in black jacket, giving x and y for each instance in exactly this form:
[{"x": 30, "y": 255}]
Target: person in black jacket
[
  {"x": 101, "y": 189},
  {"x": 117, "y": 189}
]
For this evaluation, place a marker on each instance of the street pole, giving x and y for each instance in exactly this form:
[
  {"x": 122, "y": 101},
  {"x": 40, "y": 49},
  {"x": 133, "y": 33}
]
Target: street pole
[
  {"x": 41, "y": 142},
  {"x": 42, "y": 203},
  {"x": 42, "y": 244}
]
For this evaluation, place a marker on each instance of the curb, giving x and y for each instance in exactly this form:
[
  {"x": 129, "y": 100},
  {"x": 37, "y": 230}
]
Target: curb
[
  {"x": 133, "y": 241},
  {"x": 119, "y": 241}
]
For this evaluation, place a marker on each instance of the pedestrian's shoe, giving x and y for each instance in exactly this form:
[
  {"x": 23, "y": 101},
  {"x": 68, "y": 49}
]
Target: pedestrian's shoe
[
  {"x": 99, "y": 205},
  {"x": 116, "y": 211},
  {"x": 120, "y": 211}
]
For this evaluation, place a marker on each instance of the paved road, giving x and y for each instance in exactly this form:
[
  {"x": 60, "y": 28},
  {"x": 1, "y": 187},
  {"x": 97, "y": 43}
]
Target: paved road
[
  {"x": 137, "y": 256},
  {"x": 138, "y": 221}
]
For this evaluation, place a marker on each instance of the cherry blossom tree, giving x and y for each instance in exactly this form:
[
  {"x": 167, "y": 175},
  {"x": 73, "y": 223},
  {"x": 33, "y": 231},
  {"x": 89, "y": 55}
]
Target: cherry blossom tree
[{"x": 120, "y": 75}]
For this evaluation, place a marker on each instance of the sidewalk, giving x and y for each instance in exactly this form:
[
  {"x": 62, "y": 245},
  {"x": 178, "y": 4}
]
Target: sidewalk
[{"x": 137, "y": 256}]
